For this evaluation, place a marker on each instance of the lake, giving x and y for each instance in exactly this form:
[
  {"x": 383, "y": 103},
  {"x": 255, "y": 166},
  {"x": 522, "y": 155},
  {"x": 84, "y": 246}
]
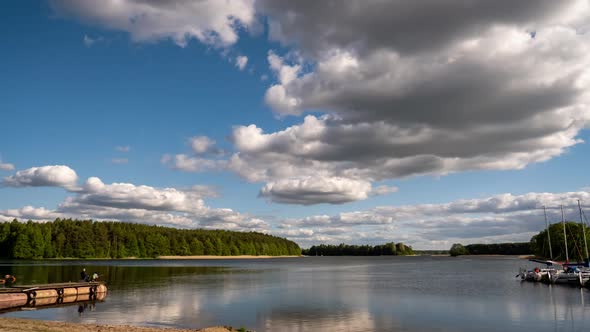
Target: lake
[{"x": 317, "y": 294}]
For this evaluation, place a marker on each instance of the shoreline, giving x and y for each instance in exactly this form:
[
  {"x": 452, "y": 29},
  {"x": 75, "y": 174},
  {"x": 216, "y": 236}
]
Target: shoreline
[
  {"x": 225, "y": 257},
  {"x": 34, "y": 325},
  {"x": 202, "y": 257}
]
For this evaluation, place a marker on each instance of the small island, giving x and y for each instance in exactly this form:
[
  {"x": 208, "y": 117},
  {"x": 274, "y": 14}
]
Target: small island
[{"x": 388, "y": 249}]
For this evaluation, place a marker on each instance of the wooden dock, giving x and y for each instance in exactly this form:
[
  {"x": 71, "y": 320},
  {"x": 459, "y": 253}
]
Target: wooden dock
[{"x": 50, "y": 294}]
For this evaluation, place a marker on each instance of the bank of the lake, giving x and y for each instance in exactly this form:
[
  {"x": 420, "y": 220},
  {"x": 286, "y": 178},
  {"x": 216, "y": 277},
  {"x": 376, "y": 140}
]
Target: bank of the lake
[
  {"x": 33, "y": 325},
  {"x": 227, "y": 257}
]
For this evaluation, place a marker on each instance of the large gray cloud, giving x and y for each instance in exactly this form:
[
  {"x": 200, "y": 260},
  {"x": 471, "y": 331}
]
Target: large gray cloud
[
  {"x": 413, "y": 88},
  {"x": 407, "y": 26}
]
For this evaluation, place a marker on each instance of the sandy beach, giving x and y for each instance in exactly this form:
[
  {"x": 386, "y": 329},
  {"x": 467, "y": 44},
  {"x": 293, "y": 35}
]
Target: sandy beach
[
  {"x": 32, "y": 325},
  {"x": 224, "y": 257}
]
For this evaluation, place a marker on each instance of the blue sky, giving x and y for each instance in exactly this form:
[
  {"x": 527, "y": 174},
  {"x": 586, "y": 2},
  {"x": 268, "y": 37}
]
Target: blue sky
[{"x": 77, "y": 82}]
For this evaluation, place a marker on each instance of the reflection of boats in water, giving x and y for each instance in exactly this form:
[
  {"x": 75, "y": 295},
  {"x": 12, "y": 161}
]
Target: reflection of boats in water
[{"x": 28, "y": 296}]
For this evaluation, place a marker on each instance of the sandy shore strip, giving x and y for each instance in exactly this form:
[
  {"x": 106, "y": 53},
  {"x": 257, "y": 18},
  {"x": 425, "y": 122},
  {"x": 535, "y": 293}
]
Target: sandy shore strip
[
  {"x": 32, "y": 325},
  {"x": 224, "y": 257}
]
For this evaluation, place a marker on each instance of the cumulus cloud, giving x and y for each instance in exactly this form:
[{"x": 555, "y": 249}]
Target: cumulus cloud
[
  {"x": 211, "y": 22},
  {"x": 407, "y": 92},
  {"x": 44, "y": 176},
  {"x": 129, "y": 196},
  {"x": 205, "y": 156},
  {"x": 202, "y": 144},
  {"x": 143, "y": 204},
  {"x": 29, "y": 213},
  {"x": 503, "y": 217},
  {"x": 241, "y": 62},
  {"x": 312, "y": 190}
]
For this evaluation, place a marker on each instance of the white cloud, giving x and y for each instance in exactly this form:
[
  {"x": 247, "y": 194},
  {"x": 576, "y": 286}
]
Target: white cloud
[
  {"x": 201, "y": 144},
  {"x": 201, "y": 147},
  {"x": 6, "y": 166},
  {"x": 89, "y": 41},
  {"x": 123, "y": 148},
  {"x": 193, "y": 164},
  {"x": 29, "y": 213},
  {"x": 241, "y": 62},
  {"x": 44, "y": 176},
  {"x": 383, "y": 190},
  {"x": 498, "y": 218},
  {"x": 311, "y": 190},
  {"x": 142, "y": 204},
  {"x": 211, "y": 22},
  {"x": 129, "y": 196}
]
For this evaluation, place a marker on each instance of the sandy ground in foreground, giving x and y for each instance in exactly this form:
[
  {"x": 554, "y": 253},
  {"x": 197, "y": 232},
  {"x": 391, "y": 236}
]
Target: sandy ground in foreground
[
  {"x": 223, "y": 257},
  {"x": 32, "y": 325}
]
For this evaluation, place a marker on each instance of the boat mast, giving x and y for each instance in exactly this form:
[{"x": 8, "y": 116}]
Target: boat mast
[
  {"x": 583, "y": 231},
  {"x": 548, "y": 236},
  {"x": 567, "y": 259}
]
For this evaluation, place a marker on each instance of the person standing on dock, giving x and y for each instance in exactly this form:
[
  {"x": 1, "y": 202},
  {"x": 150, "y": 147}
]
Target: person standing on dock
[{"x": 84, "y": 275}]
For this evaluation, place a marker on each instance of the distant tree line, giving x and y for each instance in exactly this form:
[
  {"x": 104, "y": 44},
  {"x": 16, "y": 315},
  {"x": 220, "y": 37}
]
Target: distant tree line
[
  {"x": 518, "y": 248},
  {"x": 539, "y": 244},
  {"x": 66, "y": 238},
  {"x": 431, "y": 252},
  {"x": 575, "y": 241},
  {"x": 391, "y": 249}
]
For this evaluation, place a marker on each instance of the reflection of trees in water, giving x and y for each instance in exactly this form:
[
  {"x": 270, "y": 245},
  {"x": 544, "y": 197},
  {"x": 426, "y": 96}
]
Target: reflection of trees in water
[{"x": 117, "y": 276}]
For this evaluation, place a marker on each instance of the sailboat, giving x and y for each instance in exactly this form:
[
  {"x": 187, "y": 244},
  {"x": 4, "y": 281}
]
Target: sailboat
[
  {"x": 574, "y": 274},
  {"x": 552, "y": 268}
]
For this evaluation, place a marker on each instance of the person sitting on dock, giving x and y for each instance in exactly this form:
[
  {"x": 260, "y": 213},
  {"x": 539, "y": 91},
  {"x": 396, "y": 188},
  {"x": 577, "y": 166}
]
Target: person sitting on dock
[
  {"x": 8, "y": 280},
  {"x": 95, "y": 276}
]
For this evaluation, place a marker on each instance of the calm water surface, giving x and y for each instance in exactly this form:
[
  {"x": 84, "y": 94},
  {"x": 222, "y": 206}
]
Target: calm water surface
[{"x": 318, "y": 294}]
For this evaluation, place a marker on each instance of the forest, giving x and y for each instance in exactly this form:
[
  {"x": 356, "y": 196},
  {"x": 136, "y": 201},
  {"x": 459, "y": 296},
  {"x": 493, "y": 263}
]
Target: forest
[
  {"x": 66, "y": 238},
  {"x": 575, "y": 242},
  {"x": 388, "y": 249}
]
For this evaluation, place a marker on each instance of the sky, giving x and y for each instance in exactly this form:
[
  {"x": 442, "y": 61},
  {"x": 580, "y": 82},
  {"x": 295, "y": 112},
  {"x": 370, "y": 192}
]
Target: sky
[{"x": 361, "y": 122}]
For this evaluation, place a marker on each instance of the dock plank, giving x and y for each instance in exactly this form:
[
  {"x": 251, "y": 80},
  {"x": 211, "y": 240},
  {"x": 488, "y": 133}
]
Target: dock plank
[{"x": 58, "y": 285}]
